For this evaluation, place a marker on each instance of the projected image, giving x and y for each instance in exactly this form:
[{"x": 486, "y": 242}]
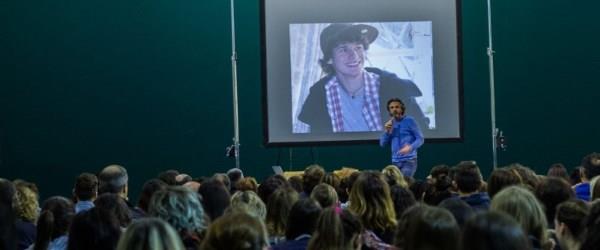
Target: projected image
[{"x": 343, "y": 74}]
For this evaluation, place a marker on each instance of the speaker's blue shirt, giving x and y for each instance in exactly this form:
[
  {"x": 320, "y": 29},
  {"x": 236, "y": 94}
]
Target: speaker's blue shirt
[{"x": 404, "y": 131}]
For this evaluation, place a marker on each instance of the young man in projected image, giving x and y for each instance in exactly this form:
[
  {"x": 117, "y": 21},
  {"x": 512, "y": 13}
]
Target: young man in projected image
[
  {"x": 349, "y": 97},
  {"x": 403, "y": 134}
]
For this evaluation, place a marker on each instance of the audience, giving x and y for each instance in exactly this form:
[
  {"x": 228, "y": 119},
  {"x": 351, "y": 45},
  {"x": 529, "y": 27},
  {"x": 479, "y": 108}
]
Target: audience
[{"x": 346, "y": 209}]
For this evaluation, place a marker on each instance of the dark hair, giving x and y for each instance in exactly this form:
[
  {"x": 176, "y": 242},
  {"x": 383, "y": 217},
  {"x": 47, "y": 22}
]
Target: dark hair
[
  {"x": 402, "y": 106},
  {"x": 591, "y": 163},
  {"x": 573, "y": 213},
  {"x": 552, "y": 191},
  {"x": 439, "y": 170},
  {"x": 459, "y": 209},
  {"x": 114, "y": 204},
  {"x": 402, "y": 198},
  {"x": 343, "y": 37},
  {"x": 302, "y": 218},
  {"x": 149, "y": 188},
  {"x": 432, "y": 228},
  {"x": 269, "y": 185},
  {"x": 494, "y": 231},
  {"x": 346, "y": 186},
  {"x": 467, "y": 177},
  {"x": 501, "y": 178},
  {"x": 439, "y": 191},
  {"x": 86, "y": 186},
  {"x": 336, "y": 229},
  {"x": 112, "y": 179},
  {"x": 296, "y": 183},
  {"x": 8, "y": 231},
  {"x": 169, "y": 177},
  {"x": 528, "y": 176},
  {"x": 235, "y": 175},
  {"x": 215, "y": 198},
  {"x": 418, "y": 188},
  {"x": 223, "y": 179},
  {"x": 592, "y": 235},
  {"x": 313, "y": 175},
  {"x": 577, "y": 175},
  {"x": 558, "y": 170},
  {"x": 54, "y": 221},
  {"x": 94, "y": 229}
]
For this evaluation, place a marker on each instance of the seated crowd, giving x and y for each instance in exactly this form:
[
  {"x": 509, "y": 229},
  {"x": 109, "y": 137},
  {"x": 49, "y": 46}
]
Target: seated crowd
[{"x": 454, "y": 208}]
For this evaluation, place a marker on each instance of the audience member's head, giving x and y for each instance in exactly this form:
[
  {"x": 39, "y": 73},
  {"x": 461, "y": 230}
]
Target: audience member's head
[
  {"x": 296, "y": 183},
  {"x": 215, "y": 198},
  {"x": 558, "y": 170},
  {"x": 235, "y": 175},
  {"x": 180, "y": 207},
  {"x": 578, "y": 175},
  {"x": 552, "y": 191},
  {"x": 346, "y": 186},
  {"x": 302, "y": 218},
  {"x": 54, "y": 221},
  {"x": 192, "y": 185},
  {"x": 501, "y": 178},
  {"x": 278, "y": 209},
  {"x": 86, "y": 187},
  {"x": 7, "y": 215},
  {"x": 113, "y": 179},
  {"x": 591, "y": 163},
  {"x": 418, "y": 188},
  {"x": 336, "y": 229},
  {"x": 439, "y": 171},
  {"x": 247, "y": 184},
  {"x": 402, "y": 198},
  {"x": 438, "y": 191},
  {"x": 592, "y": 235},
  {"x": 494, "y": 231},
  {"x": 182, "y": 179},
  {"x": 528, "y": 176},
  {"x": 521, "y": 204},
  {"x": 393, "y": 176},
  {"x": 223, "y": 179},
  {"x": 269, "y": 185},
  {"x": 150, "y": 234},
  {"x": 94, "y": 229},
  {"x": 313, "y": 175},
  {"x": 467, "y": 178},
  {"x": 249, "y": 202},
  {"x": 459, "y": 209},
  {"x": 169, "y": 177},
  {"x": 432, "y": 228},
  {"x": 325, "y": 195},
  {"x": 370, "y": 200},
  {"x": 115, "y": 205},
  {"x": 403, "y": 224},
  {"x": 570, "y": 223},
  {"x": 238, "y": 231},
  {"x": 148, "y": 189},
  {"x": 26, "y": 203}
]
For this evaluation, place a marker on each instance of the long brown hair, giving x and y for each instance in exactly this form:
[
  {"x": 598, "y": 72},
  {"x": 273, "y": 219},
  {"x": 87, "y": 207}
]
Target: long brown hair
[{"x": 370, "y": 200}]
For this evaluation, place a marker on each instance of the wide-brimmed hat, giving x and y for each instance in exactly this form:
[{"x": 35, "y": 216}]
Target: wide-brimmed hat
[{"x": 337, "y": 33}]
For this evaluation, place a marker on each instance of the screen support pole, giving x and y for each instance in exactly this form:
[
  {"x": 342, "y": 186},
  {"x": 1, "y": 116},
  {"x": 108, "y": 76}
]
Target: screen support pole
[
  {"x": 490, "y": 53},
  {"x": 236, "y": 123}
]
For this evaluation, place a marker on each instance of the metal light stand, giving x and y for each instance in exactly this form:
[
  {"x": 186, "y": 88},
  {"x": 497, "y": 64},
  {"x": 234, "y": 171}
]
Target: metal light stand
[
  {"x": 497, "y": 135},
  {"x": 234, "y": 150}
]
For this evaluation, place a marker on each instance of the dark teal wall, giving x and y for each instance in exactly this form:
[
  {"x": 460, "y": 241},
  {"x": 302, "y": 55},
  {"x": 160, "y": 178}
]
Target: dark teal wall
[{"x": 147, "y": 84}]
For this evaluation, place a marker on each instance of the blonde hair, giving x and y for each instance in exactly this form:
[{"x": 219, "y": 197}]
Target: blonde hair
[
  {"x": 236, "y": 231},
  {"x": 26, "y": 203},
  {"x": 249, "y": 202},
  {"x": 150, "y": 234},
  {"x": 393, "y": 174},
  {"x": 523, "y": 206},
  {"x": 370, "y": 199}
]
